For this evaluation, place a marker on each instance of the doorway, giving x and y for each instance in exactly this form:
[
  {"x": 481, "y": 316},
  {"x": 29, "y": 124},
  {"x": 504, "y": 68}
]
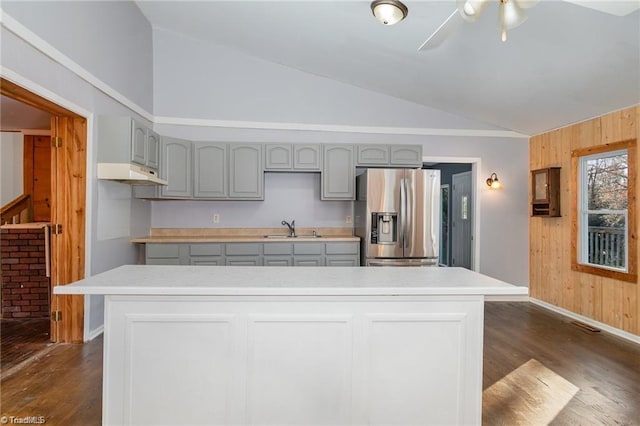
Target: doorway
[
  {"x": 67, "y": 204},
  {"x": 461, "y": 220},
  {"x": 455, "y": 249}
]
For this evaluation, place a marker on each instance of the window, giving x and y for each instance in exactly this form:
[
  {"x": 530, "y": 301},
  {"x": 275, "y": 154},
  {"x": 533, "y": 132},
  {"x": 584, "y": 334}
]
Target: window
[{"x": 605, "y": 219}]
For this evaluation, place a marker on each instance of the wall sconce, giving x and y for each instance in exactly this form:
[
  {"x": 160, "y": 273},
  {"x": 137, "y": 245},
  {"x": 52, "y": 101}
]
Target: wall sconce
[{"x": 493, "y": 182}]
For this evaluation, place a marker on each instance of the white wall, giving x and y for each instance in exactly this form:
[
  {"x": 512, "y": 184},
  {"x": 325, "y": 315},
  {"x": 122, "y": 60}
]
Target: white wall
[
  {"x": 11, "y": 159},
  {"x": 288, "y": 196},
  {"x": 110, "y": 39},
  {"x": 108, "y": 203}
]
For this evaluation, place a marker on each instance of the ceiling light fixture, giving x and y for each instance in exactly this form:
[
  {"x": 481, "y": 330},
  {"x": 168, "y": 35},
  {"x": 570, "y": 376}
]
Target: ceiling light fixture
[
  {"x": 510, "y": 14},
  {"x": 493, "y": 182},
  {"x": 389, "y": 12}
]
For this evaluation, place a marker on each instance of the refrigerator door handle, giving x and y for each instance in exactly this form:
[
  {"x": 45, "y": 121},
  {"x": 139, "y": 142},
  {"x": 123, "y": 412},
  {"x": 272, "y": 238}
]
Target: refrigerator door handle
[
  {"x": 435, "y": 225},
  {"x": 403, "y": 211}
]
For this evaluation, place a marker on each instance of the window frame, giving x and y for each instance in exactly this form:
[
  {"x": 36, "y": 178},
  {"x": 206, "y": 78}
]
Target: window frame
[{"x": 580, "y": 212}]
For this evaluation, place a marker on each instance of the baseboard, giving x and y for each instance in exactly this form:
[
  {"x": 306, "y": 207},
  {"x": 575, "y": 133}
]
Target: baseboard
[
  {"x": 94, "y": 333},
  {"x": 507, "y": 298},
  {"x": 609, "y": 329}
]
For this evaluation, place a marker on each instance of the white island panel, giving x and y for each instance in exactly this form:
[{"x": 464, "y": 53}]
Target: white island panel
[{"x": 273, "y": 346}]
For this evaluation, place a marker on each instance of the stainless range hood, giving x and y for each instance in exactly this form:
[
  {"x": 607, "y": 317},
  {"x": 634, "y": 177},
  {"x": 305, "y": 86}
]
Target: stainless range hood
[{"x": 129, "y": 173}]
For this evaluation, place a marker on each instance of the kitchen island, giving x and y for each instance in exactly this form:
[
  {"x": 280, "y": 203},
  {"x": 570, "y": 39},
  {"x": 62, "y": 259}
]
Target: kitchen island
[{"x": 198, "y": 345}]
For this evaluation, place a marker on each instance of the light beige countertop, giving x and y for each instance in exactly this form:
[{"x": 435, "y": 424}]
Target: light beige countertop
[{"x": 239, "y": 235}]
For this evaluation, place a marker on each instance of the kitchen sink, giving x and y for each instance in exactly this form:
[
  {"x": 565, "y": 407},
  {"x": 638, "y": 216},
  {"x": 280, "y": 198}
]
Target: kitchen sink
[{"x": 278, "y": 236}]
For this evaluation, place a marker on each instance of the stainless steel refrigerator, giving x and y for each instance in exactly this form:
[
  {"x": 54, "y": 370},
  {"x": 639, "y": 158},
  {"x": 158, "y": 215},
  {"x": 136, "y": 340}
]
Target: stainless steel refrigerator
[{"x": 397, "y": 217}]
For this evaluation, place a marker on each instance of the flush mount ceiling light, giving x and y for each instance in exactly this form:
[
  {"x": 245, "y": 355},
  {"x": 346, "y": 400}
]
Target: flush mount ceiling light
[
  {"x": 493, "y": 182},
  {"x": 389, "y": 12}
]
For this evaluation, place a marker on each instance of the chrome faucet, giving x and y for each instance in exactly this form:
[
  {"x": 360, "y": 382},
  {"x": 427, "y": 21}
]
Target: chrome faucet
[{"x": 292, "y": 227}]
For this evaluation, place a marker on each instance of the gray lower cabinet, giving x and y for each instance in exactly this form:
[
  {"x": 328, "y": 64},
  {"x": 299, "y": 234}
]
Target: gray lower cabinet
[
  {"x": 338, "y": 173},
  {"x": 254, "y": 254},
  {"x": 243, "y": 254},
  {"x": 206, "y": 254},
  {"x": 166, "y": 254}
]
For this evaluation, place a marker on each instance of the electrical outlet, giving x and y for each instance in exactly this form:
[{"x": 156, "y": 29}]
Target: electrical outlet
[
  {"x": 216, "y": 218},
  {"x": 349, "y": 219}
]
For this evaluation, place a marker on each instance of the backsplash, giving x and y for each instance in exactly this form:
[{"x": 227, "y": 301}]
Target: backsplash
[{"x": 288, "y": 196}]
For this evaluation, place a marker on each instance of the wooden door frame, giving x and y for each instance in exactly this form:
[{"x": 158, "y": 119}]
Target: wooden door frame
[{"x": 68, "y": 209}]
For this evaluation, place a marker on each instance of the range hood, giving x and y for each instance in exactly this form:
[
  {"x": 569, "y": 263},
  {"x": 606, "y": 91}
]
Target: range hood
[{"x": 129, "y": 173}]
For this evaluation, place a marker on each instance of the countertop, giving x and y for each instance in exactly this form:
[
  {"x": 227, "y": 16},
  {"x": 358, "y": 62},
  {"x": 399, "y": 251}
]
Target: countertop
[
  {"x": 288, "y": 281},
  {"x": 248, "y": 235}
]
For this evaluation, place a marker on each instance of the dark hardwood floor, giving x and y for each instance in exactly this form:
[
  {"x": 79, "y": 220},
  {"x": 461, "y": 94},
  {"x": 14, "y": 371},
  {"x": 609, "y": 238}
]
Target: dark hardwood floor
[
  {"x": 21, "y": 339},
  {"x": 538, "y": 369}
]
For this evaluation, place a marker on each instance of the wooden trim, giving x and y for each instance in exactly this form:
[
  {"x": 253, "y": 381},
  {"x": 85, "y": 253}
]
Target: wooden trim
[
  {"x": 632, "y": 270},
  {"x": 21, "y": 94},
  {"x": 68, "y": 208}
]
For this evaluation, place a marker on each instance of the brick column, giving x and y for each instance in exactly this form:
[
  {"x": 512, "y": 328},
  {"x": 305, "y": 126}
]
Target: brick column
[{"x": 25, "y": 286}]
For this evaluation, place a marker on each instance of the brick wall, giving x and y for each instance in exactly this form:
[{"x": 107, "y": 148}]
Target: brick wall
[{"x": 25, "y": 287}]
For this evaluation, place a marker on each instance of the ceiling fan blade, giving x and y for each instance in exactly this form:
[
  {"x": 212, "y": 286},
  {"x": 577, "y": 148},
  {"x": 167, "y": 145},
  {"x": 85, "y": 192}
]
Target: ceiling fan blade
[
  {"x": 443, "y": 31},
  {"x": 618, "y": 8}
]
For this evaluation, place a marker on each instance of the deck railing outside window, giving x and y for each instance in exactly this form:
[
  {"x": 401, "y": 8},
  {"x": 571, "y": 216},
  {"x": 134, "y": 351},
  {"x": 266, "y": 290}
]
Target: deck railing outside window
[{"x": 606, "y": 246}]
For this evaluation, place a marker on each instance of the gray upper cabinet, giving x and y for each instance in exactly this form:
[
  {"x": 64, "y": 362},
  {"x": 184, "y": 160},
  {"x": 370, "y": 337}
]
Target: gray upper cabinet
[
  {"x": 210, "y": 170},
  {"x": 153, "y": 149},
  {"x": 278, "y": 157},
  {"x": 389, "y": 155},
  {"x": 338, "y": 173},
  {"x": 297, "y": 157},
  {"x": 373, "y": 155},
  {"x": 124, "y": 140},
  {"x": 246, "y": 177},
  {"x": 406, "y": 155},
  {"x": 176, "y": 168},
  {"x": 307, "y": 157}
]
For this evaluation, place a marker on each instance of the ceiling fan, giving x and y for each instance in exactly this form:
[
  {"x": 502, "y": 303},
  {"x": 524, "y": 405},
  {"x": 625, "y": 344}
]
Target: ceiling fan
[{"x": 511, "y": 14}]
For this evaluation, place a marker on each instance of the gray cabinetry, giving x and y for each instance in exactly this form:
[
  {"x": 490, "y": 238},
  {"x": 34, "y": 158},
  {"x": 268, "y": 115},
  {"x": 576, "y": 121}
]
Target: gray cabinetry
[
  {"x": 255, "y": 254},
  {"x": 338, "y": 173},
  {"x": 124, "y": 140},
  {"x": 288, "y": 157},
  {"x": 165, "y": 254},
  {"x": 406, "y": 155},
  {"x": 224, "y": 171},
  {"x": 278, "y": 157},
  {"x": 243, "y": 254},
  {"x": 389, "y": 155},
  {"x": 372, "y": 155},
  {"x": 210, "y": 170},
  {"x": 278, "y": 254},
  {"x": 176, "y": 168},
  {"x": 342, "y": 254},
  {"x": 307, "y": 157},
  {"x": 246, "y": 178},
  {"x": 206, "y": 254}
]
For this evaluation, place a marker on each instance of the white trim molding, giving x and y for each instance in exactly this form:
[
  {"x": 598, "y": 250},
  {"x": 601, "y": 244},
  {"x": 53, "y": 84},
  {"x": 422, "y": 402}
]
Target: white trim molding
[
  {"x": 28, "y": 36},
  {"x": 609, "y": 329},
  {"x": 386, "y": 130}
]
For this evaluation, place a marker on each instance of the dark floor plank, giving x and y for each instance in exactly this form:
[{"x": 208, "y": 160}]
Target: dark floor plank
[{"x": 21, "y": 339}]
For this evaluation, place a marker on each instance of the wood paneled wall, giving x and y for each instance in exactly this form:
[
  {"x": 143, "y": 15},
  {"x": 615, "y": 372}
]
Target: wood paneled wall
[{"x": 551, "y": 278}]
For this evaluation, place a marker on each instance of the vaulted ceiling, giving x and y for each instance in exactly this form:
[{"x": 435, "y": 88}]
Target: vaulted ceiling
[{"x": 565, "y": 64}]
